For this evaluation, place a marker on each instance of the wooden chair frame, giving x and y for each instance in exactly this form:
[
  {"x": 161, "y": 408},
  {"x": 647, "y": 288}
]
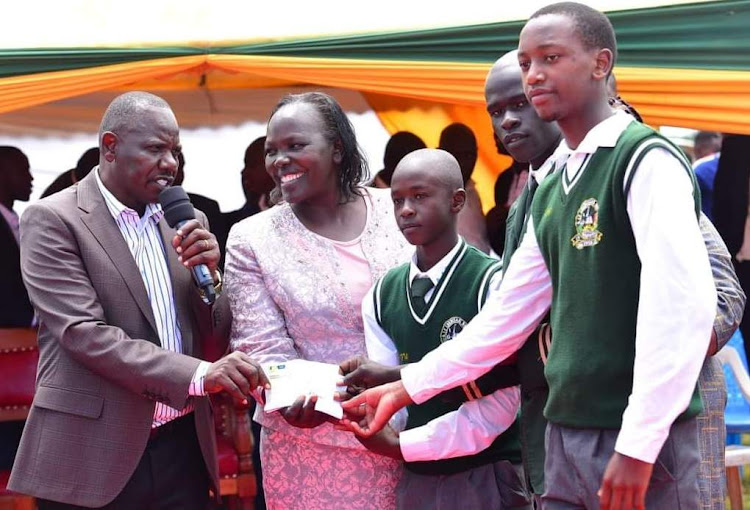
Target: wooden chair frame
[
  {"x": 13, "y": 340},
  {"x": 234, "y": 424}
]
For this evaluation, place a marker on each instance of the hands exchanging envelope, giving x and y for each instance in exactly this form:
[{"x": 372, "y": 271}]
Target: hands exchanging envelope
[
  {"x": 304, "y": 391},
  {"x": 299, "y": 386},
  {"x": 369, "y": 412}
]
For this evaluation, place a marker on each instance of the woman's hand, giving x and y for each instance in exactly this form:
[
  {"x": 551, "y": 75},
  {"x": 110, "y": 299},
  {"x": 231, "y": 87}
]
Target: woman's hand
[{"x": 302, "y": 414}]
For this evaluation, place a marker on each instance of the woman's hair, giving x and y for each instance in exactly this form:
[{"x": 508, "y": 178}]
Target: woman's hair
[{"x": 339, "y": 132}]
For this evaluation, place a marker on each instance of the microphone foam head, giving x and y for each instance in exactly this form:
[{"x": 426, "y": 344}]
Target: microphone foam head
[{"x": 176, "y": 205}]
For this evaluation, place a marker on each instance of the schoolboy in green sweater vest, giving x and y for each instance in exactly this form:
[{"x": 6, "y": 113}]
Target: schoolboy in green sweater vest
[
  {"x": 615, "y": 249},
  {"x": 412, "y": 310},
  {"x": 527, "y": 138}
]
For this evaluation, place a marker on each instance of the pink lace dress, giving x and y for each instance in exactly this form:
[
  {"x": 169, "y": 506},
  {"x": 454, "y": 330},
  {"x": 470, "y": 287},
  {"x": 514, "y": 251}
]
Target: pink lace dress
[{"x": 293, "y": 295}]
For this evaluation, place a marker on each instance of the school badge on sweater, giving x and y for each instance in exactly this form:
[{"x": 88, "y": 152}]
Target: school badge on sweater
[
  {"x": 587, "y": 224},
  {"x": 451, "y": 328}
]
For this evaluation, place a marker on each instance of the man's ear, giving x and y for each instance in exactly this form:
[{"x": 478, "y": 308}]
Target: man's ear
[
  {"x": 458, "y": 200},
  {"x": 109, "y": 143},
  {"x": 604, "y": 63}
]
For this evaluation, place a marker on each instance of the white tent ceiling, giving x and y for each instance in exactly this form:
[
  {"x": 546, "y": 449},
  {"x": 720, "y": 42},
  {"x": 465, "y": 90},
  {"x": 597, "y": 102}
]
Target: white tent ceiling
[{"x": 87, "y": 23}]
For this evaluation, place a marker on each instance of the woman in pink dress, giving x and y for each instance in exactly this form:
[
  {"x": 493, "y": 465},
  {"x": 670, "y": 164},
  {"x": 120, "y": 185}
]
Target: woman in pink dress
[{"x": 295, "y": 277}]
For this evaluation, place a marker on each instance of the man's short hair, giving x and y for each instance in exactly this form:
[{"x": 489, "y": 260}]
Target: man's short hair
[
  {"x": 7, "y": 154},
  {"x": 124, "y": 109},
  {"x": 256, "y": 150},
  {"x": 706, "y": 137},
  {"x": 706, "y": 143},
  {"x": 594, "y": 27},
  {"x": 457, "y": 134}
]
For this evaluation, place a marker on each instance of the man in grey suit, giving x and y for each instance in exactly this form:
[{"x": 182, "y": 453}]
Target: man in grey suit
[{"x": 120, "y": 419}]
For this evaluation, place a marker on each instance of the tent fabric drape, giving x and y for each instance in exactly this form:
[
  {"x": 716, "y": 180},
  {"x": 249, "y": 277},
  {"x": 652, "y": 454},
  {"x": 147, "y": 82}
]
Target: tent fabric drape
[
  {"x": 422, "y": 97},
  {"x": 686, "y": 65},
  {"x": 16, "y": 62},
  {"x": 24, "y": 91},
  {"x": 683, "y": 65},
  {"x": 701, "y": 99},
  {"x": 706, "y": 35},
  {"x": 711, "y": 35}
]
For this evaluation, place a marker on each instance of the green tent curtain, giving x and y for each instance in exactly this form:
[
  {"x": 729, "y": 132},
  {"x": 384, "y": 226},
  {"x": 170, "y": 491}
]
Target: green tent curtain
[
  {"x": 19, "y": 62},
  {"x": 714, "y": 35}
]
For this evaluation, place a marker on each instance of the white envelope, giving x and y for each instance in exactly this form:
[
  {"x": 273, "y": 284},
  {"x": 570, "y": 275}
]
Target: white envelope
[{"x": 295, "y": 378}]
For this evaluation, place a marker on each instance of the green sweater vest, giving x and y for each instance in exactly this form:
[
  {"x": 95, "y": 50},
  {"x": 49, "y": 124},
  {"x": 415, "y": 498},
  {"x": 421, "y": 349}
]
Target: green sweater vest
[
  {"x": 587, "y": 242},
  {"x": 456, "y": 299},
  {"x": 534, "y": 388}
]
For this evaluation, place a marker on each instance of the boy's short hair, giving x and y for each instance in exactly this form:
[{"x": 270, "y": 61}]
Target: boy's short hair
[{"x": 594, "y": 27}]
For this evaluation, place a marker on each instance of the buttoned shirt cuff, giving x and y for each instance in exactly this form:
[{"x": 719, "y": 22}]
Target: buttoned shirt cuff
[
  {"x": 415, "y": 446},
  {"x": 641, "y": 444},
  {"x": 196, "y": 385}
]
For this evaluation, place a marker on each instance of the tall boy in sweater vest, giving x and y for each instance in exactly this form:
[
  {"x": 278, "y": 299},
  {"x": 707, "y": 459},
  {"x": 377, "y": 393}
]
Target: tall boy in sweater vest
[
  {"x": 412, "y": 310},
  {"x": 527, "y": 137},
  {"x": 613, "y": 245}
]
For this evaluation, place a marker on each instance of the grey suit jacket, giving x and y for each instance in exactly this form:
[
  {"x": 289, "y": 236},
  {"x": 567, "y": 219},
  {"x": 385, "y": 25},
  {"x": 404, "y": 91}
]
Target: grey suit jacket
[{"x": 101, "y": 368}]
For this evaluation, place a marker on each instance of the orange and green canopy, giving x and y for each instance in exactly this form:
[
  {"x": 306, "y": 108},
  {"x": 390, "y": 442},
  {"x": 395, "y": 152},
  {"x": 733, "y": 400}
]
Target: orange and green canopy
[{"x": 683, "y": 65}]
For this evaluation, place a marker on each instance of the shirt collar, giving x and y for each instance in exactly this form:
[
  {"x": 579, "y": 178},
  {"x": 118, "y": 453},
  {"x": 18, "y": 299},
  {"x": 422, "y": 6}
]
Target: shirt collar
[
  {"x": 604, "y": 134},
  {"x": 117, "y": 208},
  {"x": 8, "y": 213},
  {"x": 11, "y": 218},
  {"x": 540, "y": 173},
  {"x": 436, "y": 271}
]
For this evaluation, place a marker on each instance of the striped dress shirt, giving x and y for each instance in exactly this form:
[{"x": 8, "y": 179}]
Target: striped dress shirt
[{"x": 144, "y": 241}]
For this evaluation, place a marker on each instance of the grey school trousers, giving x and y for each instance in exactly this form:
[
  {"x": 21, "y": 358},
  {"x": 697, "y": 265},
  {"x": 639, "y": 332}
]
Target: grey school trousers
[
  {"x": 492, "y": 486},
  {"x": 576, "y": 460}
]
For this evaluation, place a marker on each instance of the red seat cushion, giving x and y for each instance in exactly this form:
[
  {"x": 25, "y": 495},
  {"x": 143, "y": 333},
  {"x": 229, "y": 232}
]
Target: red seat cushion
[
  {"x": 229, "y": 462},
  {"x": 4, "y": 476},
  {"x": 19, "y": 372}
]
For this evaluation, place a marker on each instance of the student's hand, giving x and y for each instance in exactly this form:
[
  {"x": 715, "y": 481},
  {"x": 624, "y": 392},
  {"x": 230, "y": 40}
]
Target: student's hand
[
  {"x": 196, "y": 245},
  {"x": 302, "y": 413},
  {"x": 384, "y": 443},
  {"x": 236, "y": 374},
  {"x": 625, "y": 483},
  {"x": 360, "y": 373},
  {"x": 375, "y": 407}
]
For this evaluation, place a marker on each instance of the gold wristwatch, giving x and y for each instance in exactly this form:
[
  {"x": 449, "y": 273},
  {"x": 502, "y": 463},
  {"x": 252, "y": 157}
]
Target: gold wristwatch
[{"x": 217, "y": 286}]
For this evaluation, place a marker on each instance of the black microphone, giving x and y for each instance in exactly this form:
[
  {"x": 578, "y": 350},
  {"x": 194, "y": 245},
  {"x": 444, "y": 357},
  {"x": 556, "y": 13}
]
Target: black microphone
[{"x": 177, "y": 211}]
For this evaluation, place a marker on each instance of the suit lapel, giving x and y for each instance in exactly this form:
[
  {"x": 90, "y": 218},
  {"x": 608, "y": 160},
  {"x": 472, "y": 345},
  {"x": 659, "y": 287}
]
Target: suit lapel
[
  {"x": 99, "y": 221},
  {"x": 181, "y": 283}
]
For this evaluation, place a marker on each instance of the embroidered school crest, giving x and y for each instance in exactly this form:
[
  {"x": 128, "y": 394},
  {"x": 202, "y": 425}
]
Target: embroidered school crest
[
  {"x": 587, "y": 223},
  {"x": 451, "y": 328}
]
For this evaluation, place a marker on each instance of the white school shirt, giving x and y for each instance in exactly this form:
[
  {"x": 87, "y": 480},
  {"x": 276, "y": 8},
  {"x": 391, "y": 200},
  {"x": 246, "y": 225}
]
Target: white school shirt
[
  {"x": 11, "y": 218},
  {"x": 142, "y": 236},
  {"x": 677, "y": 301},
  {"x": 475, "y": 424}
]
